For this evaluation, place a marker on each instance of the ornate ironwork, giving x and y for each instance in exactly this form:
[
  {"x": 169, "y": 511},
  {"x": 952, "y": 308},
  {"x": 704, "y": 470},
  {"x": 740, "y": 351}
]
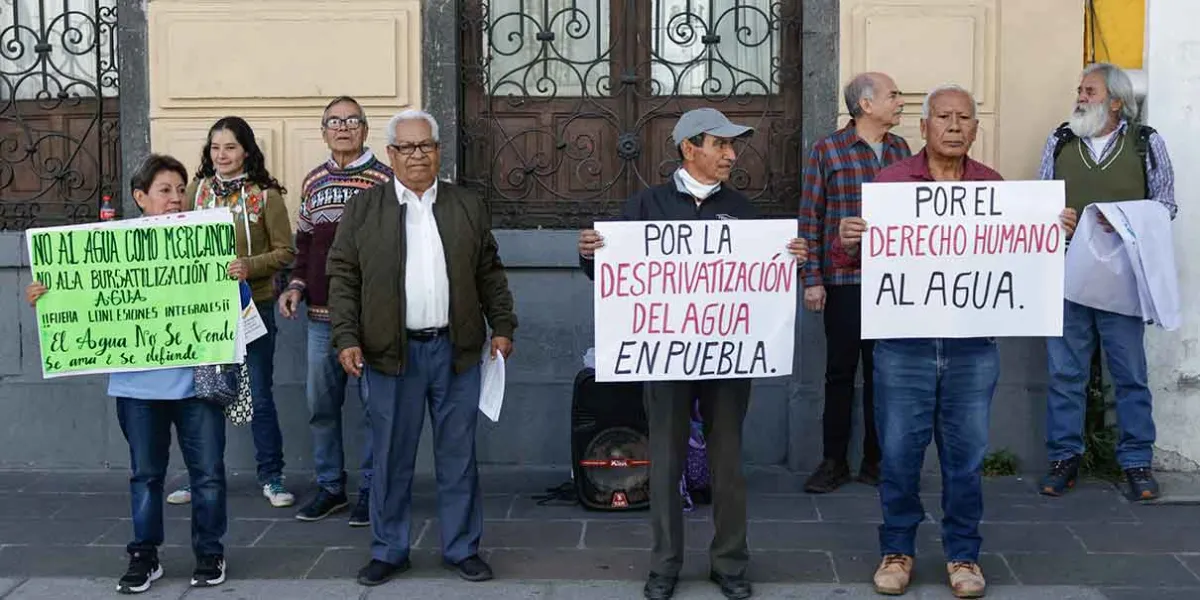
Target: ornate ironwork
[
  {"x": 58, "y": 111},
  {"x": 569, "y": 104}
]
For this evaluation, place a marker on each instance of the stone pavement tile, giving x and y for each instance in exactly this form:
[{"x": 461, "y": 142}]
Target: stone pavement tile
[
  {"x": 511, "y": 480},
  {"x": 804, "y": 566},
  {"x": 90, "y": 506},
  {"x": 115, "y": 481},
  {"x": 525, "y": 534},
  {"x": 1079, "y": 506},
  {"x": 344, "y": 563},
  {"x": 1142, "y": 538},
  {"x": 780, "y": 507},
  {"x": 62, "y": 561},
  {"x": 859, "y": 567},
  {"x": 619, "y": 534},
  {"x": 1192, "y": 562},
  {"x": 48, "y": 532},
  {"x": 91, "y": 588},
  {"x": 1020, "y": 538},
  {"x": 495, "y": 506},
  {"x": 7, "y": 585},
  {"x": 328, "y": 532},
  {"x": 1101, "y": 570},
  {"x": 1136, "y": 593},
  {"x": 30, "y": 506},
  {"x": 1163, "y": 513},
  {"x": 178, "y": 532},
  {"x": 15, "y": 481},
  {"x": 270, "y": 563},
  {"x": 568, "y": 564},
  {"x": 835, "y": 537},
  {"x": 525, "y": 507},
  {"x": 774, "y": 480},
  {"x": 838, "y": 507},
  {"x": 275, "y": 590},
  {"x": 462, "y": 590}
]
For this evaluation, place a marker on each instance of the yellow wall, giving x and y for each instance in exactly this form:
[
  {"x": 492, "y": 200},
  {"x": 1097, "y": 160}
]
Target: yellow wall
[
  {"x": 277, "y": 63},
  {"x": 1120, "y": 28}
]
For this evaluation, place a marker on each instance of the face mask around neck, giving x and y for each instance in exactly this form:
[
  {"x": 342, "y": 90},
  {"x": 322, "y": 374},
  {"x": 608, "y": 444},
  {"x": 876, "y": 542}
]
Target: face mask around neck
[{"x": 689, "y": 184}]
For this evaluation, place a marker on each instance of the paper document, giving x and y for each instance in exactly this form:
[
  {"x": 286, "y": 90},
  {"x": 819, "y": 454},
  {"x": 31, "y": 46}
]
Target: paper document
[{"x": 491, "y": 389}]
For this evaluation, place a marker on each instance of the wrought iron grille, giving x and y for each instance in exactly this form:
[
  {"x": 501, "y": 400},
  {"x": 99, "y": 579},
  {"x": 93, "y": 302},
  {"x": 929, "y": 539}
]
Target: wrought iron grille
[
  {"x": 568, "y": 105},
  {"x": 58, "y": 111}
]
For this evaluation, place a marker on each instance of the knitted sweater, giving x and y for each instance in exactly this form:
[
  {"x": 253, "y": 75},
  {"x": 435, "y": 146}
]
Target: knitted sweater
[{"x": 323, "y": 196}]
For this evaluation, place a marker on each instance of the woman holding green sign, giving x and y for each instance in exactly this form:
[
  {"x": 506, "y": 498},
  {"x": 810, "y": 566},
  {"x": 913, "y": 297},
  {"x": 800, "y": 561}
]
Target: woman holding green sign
[
  {"x": 148, "y": 404},
  {"x": 233, "y": 174}
]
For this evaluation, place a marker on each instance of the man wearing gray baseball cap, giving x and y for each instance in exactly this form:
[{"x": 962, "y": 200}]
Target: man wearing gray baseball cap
[{"x": 705, "y": 140}]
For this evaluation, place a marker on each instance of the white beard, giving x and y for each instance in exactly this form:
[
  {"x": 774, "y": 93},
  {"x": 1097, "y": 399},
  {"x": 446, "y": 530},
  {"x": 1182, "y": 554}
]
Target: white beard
[{"x": 1088, "y": 120}]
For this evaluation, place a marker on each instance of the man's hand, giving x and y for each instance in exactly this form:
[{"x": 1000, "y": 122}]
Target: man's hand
[
  {"x": 501, "y": 345},
  {"x": 798, "y": 248},
  {"x": 814, "y": 298},
  {"x": 1069, "y": 219},
  {"x": 1104, "y": 222},
  {"x": 352, "y": 361},
  {"x": 589, "y": 241},
  {"x": 238, "y": 269},
  {"x": 289, "y": 302},
  {"x": 850, "y": 231},
  {"x": 34, "y": 291}
]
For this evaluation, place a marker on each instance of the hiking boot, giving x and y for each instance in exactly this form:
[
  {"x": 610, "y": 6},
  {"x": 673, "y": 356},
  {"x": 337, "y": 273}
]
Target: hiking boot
[
  {"x": 361, "y": 515},
  {"x": 868, "y": 473},
  {"x": 183, "y": 495},
  {"x": 966, "y": 579},
  {"x": 323, "y": 505},
  {"x": 829, "y": 476},
  {"x": 210, "y": 571},
  {"x": 894, "y": 574},
  {"x": 1142, "y": 485},
  {"x": 144, "y": 569},
  {"x": 1060, "y": 477}
]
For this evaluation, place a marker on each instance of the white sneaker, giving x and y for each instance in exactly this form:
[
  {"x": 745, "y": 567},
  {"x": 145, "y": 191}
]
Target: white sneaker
[
  {"x": 279, "y": 497},
  {"x": 182, "y": 495}
]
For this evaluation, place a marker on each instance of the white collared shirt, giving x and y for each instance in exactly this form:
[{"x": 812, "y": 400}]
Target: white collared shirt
[{"x": 426, "y": 283}]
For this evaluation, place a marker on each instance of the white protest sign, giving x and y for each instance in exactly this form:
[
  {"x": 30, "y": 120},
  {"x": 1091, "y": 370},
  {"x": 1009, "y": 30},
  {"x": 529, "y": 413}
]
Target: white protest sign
[
  {"x": 695, "y": 300},
  {"x": 962, "y": 259}
]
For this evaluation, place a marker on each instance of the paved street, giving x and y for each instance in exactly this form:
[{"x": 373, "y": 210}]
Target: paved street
[{"x": 62, "y": 535}]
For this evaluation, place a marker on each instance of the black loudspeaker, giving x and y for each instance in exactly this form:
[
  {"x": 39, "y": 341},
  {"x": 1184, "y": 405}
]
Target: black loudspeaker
[{"x": 610, "y": 449}]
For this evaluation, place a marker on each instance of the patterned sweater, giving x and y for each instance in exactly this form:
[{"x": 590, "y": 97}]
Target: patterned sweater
[{"x": 324, "y": 194}]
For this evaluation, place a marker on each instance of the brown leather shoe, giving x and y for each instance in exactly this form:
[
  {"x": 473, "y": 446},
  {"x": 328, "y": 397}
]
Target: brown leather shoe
[
  {"x": 966, "y": 579},
  {"x": 893, "y": 574}
]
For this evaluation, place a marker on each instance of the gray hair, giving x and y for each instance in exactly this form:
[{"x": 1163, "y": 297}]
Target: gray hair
[
  {"x": 943, "y": 89},
  {"x": 1119, "y": 86},
  {"x": 412, "y": 115},
  {"x": 860, "y": 88}
]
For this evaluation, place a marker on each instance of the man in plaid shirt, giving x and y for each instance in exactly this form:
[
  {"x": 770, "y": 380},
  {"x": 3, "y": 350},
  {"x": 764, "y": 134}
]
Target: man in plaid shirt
[{"x": 837, "y": 167}]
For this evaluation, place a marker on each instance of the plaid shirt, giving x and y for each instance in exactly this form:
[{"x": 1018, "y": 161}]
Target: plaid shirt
[{"x": 832, "y": 190}]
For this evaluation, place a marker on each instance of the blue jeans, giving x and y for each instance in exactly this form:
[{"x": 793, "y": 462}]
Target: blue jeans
[
  {"x": 200, "y": 427},
  {"x": 397, "y": 415},
  {"x": 264, "y": 427},
  {"x": 326, "y": 391},
  {"x": 940, "y": 389},
  {"x": 1070, "y": 357}
]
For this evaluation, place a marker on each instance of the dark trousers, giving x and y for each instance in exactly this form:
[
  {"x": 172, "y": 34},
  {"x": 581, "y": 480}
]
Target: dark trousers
[
  {"x": 668, "y": 412},
  {"x": 397, "y": 406},
  {"x": 843, "y": 348}
]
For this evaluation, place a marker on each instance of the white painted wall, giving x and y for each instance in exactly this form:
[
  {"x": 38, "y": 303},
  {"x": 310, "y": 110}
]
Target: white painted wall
[{"x": 1173, "y": 108}]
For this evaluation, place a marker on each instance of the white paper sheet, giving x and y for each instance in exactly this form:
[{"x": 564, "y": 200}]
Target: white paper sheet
[{"x": 491, "y": 388}]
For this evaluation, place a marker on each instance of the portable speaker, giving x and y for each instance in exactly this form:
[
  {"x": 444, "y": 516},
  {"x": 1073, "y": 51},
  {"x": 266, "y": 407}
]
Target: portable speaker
[{"x": 610, "y": 450}]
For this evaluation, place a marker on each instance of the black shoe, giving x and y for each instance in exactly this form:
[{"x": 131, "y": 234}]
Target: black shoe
[
  {"x": 144, "y": 569},
  {"x": 210, "y": 571},
  {"x": 829, "y": 476},
  {"x": 868, "y": 473},
  {"x": 1142, "y": 485},
  {"x": 1060, "y": 477},
  {"x": 361, "y": 515},
  {"x": 377, "y": 571},
  {"x": 734, "y": 587},
  {"x": 471, "y": 568},
  {"x": 322, "y": 505},
  {"x": 659, "y": 587}
]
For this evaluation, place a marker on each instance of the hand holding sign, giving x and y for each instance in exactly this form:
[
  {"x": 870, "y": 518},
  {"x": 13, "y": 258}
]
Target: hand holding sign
[
  {"x": 590, "y": 240},
  {"x": 34, "y": 291},
  {"x": 851, "y": 230},
  {"x": 1069, "y": 219}
]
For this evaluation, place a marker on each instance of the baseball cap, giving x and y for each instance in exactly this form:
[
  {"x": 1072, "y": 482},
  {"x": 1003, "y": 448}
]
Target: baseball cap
[{"x": 706, "y": 120}]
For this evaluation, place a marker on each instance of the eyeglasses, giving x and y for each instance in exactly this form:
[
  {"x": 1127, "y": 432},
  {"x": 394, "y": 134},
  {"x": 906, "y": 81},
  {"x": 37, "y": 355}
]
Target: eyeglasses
[
  {"x": 426, "y": 147},
  {"x": 350, "y": 122}
]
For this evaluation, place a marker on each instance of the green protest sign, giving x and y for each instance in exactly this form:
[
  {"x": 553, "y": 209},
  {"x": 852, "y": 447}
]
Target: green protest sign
[{"x": 136, "y": 295}]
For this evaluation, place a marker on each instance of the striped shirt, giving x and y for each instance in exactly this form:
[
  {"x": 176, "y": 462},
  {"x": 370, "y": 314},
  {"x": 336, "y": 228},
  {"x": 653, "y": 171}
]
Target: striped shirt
[{"x": 831, "y": 190}]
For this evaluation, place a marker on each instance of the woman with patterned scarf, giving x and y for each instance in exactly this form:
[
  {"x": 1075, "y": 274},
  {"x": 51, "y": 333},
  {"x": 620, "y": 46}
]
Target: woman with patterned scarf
[{"x": 233, "y": 174}]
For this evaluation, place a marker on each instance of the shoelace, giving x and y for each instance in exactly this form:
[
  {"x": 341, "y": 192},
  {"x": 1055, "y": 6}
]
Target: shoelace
[
  {"x": 1139, "y": 475},
  {"x": 955, "y": 567},
  {"x": 276, "y": 488},
  {"x": 893, "y": 560}
]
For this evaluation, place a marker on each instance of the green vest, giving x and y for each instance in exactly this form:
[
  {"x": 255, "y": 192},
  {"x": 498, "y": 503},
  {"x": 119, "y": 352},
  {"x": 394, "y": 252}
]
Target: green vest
[{"x": 1117, "y": 178}]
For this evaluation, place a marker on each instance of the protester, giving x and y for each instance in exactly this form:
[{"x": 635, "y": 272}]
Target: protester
[
  {"x": 414, "y": 271},
  {"x": 1103, "y": 155},
  {"x": 837, "y": 167},
  {"x": 705, "y": 140},
  {"x": 350, "y": 168},
  {"x": 233, "y": 173},
  {"x": 148, "y": 404}
]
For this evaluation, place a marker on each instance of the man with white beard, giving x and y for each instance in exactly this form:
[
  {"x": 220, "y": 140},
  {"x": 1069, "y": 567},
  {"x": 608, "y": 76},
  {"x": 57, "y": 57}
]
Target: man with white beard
[{"x": 1103, "y": 155}]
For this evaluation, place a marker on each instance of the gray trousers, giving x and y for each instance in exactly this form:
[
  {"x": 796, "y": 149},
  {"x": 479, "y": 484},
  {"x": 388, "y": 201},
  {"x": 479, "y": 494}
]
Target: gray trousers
[{"x": 668, "y": 413}]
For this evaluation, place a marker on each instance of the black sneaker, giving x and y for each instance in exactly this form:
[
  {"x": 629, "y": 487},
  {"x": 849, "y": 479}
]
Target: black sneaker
[
  {"x": 210, "y": 571},
  {"x": 868, "y": 473},
  {"x": 361, "y": 515},
  {"x": 1142, "y": 485},
  {"x": 377, "y": 571},
  {"x": 144, "y": 569},
  {"x": 471, "y": 568},
  {"x": 829, "y": 476},
  {"x": 659, "y": 587},
  {"x": 322, "y": 505},
  {"x": 733, "y": 587},
  {"x": 1060, "y": 477}
]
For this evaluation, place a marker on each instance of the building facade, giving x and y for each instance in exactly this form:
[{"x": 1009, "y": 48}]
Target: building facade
[{"x": 556, "y": 112}]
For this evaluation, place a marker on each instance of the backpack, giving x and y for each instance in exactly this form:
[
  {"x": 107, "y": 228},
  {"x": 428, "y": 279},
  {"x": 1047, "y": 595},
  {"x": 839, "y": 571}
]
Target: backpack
[
  {"x": 695, "y": 485},
  {"x": 1141, "y": 143}
]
